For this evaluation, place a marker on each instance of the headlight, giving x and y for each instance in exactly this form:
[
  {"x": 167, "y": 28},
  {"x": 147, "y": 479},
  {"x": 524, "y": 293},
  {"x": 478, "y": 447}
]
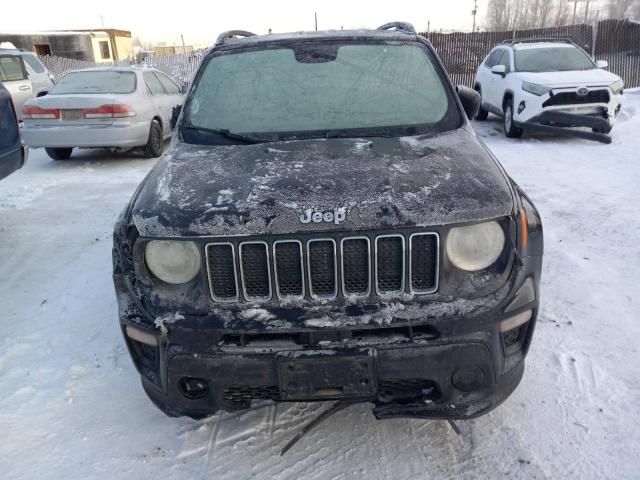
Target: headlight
[
  {"x": 535, "y": 89},
  {"x": 617, "y": 86},
  {"x": 171, "y": 261},
  {"x": 475, "y": 247}
]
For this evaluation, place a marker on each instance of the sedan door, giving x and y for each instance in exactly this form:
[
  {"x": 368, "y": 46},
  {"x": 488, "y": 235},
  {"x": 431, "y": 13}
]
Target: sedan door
[
  {"x": 174, "y": 96},
  {"x": 158, "y": 97},
  {"x": 13, "y": 75}
]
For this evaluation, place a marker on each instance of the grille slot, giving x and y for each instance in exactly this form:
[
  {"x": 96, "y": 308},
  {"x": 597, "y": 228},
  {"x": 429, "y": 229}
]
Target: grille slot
[
  {"x": 221, "y": 265},
  {"x": 356, "y": 266},
  {"x": 254, "y": 265},
  {"x": 311, "y": 267},
  {"x": 423, "y": 265},
  {"x": 390, "y": 264},
  {"x": 572, "y": 98},
  {"x": 239, "y": 393},
  {"x": 321, "y": 255},
  {"x": 288, "y": 268}
]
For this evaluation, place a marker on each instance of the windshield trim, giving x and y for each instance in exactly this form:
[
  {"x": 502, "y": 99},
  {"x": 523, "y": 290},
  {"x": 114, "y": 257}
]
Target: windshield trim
[{"x": 378, "y": 131}]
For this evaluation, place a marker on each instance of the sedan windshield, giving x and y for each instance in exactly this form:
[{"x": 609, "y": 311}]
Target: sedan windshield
[
  {"x": 552, "y": 59},
  {"x": 97, "y": 81},
  {"x": 319, "y": 90}
]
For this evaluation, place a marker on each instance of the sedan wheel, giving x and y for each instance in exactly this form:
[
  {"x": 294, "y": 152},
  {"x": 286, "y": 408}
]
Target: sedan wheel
[
  {"x": 59, "y": 153},
  {"x": 154, "y": 145}
]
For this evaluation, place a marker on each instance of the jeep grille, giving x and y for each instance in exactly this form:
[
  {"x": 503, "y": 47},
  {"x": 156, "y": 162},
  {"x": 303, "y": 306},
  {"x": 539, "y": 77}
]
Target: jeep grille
[{"x": 323, "y": 268}]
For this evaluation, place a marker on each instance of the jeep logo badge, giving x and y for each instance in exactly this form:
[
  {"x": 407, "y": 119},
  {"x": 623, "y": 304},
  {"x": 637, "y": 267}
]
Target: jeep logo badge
[
  {"x": 337, "y": 216},
  {"x": 582, "y": 91}
]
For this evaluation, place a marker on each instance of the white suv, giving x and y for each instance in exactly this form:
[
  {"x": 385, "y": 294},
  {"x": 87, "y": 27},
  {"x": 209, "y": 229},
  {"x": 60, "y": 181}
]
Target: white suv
[{"x": 548, "y": 84}]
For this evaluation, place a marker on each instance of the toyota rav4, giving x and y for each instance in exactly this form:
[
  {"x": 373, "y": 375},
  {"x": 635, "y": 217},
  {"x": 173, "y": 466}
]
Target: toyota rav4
[
  {"x": 548, "y": 85},
  {"x": 326, "y": 225}
]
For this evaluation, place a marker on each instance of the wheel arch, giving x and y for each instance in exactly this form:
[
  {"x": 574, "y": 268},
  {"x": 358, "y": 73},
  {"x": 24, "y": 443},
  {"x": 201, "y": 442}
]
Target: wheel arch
[{"x": 508, "y": 95}]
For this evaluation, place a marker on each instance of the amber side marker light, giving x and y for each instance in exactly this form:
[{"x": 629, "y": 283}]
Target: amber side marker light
[{"x": 524, "y": 228}]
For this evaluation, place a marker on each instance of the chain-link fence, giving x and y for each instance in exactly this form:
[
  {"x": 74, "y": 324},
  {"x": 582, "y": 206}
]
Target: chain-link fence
[
  {"x": 616, "y": 41},
  {"x": 180, "y": 67}
]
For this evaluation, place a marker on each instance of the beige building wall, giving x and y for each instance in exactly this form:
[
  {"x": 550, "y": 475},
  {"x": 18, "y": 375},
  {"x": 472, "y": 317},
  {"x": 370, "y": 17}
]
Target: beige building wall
[{"x": 124, "y": 47}]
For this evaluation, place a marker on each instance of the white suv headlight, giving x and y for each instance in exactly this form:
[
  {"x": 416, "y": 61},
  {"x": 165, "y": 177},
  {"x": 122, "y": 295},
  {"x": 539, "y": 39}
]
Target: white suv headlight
[
  {"x": 172, "y": 261},
  {"x": 475, "y": 247},
  {"x": 535, "y": 88}
]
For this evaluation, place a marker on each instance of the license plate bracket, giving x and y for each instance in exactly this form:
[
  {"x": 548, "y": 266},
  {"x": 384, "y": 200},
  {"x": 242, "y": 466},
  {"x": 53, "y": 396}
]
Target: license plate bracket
[{"x": 317, "y": 375}]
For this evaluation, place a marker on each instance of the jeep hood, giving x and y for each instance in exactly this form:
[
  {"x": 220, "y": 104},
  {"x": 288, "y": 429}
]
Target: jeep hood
[
  {"x": 197, "y": 190},
  {"x": 587, "y": 78}
]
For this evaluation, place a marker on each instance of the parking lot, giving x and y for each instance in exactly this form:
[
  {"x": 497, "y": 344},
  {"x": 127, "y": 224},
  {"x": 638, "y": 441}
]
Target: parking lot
[{"x": 71, "y": 404}]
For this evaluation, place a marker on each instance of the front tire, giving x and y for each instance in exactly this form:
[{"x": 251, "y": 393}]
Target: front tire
[
  {"x": 154, "y": 145},
  {"x": 59, "y": 153},
  {"x": 510, "y": 130}
]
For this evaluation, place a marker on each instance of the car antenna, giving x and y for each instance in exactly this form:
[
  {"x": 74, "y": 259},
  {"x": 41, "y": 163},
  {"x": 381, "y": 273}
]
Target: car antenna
[{"x": 335, "y": 408}]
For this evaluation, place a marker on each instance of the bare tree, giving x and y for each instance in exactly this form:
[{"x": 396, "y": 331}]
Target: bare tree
[
  {"x": 619, "y": 8},
  {"x": 524, "y": 14}
]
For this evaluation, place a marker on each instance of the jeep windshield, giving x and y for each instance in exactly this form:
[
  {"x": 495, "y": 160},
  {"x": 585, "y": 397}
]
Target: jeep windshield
[
  {"x": 552, "y": 59},
  {"x": 318, "y": 90}
]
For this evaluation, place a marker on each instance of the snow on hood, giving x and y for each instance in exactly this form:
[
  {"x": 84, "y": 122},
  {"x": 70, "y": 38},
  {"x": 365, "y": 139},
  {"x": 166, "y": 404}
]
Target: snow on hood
[
  {"x": 200, "y": 190},
  {"x": 594, "y": 77}
]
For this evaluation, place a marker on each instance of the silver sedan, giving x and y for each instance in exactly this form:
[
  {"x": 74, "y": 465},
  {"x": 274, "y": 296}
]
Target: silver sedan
[{"x": 117, "y": 107}]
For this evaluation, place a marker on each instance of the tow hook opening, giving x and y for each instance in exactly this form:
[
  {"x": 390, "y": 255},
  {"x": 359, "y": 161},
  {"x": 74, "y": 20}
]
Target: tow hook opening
[{"x": 193, "y": 388}]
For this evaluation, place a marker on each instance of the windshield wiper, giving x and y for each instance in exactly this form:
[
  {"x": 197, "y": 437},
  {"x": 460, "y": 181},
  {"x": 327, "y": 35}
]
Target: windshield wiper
[{"x": 224, "y": 133}]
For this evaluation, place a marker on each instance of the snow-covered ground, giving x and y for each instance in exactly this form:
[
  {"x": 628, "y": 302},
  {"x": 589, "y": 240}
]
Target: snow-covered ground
[{"x": 71, "y": 405}]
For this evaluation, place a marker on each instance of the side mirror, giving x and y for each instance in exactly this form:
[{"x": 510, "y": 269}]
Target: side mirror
[
  {"x": 470, "y": 100},
  {"x": 602, "y": 64},
  {"x": 175, "y": 114},
  {"x": 184, "y": 88},
  {"x": 499, "y": 70}
]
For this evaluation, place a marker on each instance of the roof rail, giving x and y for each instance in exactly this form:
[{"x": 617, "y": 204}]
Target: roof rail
[
  {"x": 513, "y": 41},
  {"x": 400, "y": 26},
  {"x": 230, "y": 34}
]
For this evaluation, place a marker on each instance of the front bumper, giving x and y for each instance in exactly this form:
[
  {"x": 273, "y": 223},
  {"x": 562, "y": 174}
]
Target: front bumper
[
  {"x": 119, "y": 134},
  {"x": 454, "y": 367},
  {"x": 528, "y": 108}
]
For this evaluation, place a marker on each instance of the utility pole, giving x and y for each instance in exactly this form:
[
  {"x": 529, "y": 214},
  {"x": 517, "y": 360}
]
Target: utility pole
[
  {"x": 428, "y": 26},
  {"x": 184, "y": 50},
  {"x": 315, "y": 17},
  {"x": 474, "y": 12},
  {"x": 575, "y": 7}
]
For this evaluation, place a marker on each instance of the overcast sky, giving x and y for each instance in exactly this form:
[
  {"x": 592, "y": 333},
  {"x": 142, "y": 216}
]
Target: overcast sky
[{"x": 201, "y": 21}]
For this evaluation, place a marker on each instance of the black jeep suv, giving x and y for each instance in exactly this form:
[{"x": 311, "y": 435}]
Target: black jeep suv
[{"x": 327, "y": 226}]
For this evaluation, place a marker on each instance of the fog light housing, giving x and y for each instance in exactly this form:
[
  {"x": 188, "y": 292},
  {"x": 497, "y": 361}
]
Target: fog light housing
[
  {"x": 513, "y": 330},
  {"x": 468, "y": 379},
  {"x": 193, "y": 388}
]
